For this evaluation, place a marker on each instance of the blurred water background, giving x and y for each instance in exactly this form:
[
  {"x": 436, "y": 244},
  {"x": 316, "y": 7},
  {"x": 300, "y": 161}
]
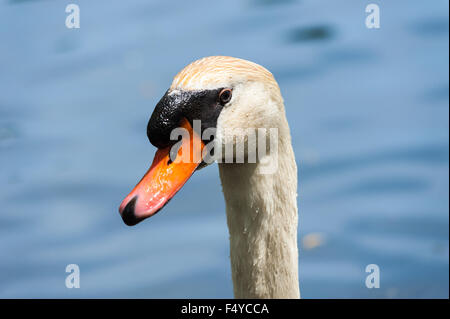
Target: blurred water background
[{"x": 368, "y": 111}]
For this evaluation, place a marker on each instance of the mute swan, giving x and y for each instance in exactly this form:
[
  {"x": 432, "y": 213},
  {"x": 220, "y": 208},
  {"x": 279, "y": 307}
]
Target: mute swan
[{"x": 228, "y": 93}]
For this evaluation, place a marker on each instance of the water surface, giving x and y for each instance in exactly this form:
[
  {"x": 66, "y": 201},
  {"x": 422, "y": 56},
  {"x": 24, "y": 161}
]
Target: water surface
[{"x": 368, "y": 111}]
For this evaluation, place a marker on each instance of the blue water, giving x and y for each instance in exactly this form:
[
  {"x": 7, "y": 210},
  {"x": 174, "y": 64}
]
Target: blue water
[{"x": 368, "y": 111}]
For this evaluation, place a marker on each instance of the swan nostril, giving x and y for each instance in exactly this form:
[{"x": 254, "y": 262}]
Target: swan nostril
[{"x": 128, "y": 215}]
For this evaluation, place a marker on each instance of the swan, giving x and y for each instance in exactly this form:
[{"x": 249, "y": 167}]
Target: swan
[{"x": 228, "y": 94}]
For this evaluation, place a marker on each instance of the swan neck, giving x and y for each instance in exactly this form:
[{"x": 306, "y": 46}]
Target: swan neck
[{"x": 262, "y": 222}]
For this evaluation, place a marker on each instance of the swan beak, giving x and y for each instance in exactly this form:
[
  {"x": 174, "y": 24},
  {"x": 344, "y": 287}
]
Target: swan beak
[{"x": 163, "y": 180}]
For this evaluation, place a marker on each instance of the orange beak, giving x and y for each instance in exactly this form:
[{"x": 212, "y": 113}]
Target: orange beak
[{"x": 164, "y": 179}]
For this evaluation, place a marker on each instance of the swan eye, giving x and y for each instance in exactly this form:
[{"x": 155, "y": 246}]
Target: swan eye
[{"x": 225, "y": 96}]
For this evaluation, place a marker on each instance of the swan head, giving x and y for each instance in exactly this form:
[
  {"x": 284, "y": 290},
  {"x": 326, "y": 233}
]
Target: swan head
[{"x": 212, "y": 104}]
